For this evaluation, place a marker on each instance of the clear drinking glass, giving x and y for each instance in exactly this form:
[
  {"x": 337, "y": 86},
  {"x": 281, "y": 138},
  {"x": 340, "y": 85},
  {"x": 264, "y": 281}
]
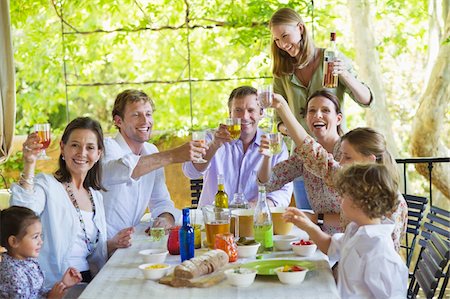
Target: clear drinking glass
[
  {"x": 201, "y": 137},
  {"x": 234, "y": 127},
  {"x": 43, "y": 131},
  {"x": 275, "y": 143},
  {"x": 265, "y": 96}
]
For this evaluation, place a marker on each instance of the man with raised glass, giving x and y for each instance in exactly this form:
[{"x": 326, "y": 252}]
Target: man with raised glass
[
  {"x": 238, "y": 160},
  {"x": 133, "y": 170}
]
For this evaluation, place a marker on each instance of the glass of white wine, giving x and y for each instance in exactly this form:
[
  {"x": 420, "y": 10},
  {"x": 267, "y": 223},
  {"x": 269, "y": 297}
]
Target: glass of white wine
[
  {"x": 234, "y": 127},
  {"x": 275, "y": 143},
  {"x": 199, "y": 136}
]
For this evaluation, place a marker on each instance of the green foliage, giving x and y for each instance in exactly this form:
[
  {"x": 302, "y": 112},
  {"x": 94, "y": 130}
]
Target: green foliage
[{"x": 108, "y": 46}]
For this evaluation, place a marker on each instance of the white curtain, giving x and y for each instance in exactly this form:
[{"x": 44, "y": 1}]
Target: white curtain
[{"x": 7, "y": 83}]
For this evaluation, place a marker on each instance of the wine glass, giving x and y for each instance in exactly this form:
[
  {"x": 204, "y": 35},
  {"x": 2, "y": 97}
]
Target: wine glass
[
  {"x": 201, "y": 137},
  {"x": 43, "y": 131}
]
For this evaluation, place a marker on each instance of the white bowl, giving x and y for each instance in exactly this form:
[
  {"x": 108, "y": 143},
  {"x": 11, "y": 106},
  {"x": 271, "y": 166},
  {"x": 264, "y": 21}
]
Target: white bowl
[
  {"x": 303, "y": 250},
  {"x": 241, "y": 277},
  {"x": 154, "y": 271},
  {"x": 154, "y": 255},
  {"x": 283, "y": 242},
  {"x": 247, "y": 250},
  {"x": 295, "y": 277}
]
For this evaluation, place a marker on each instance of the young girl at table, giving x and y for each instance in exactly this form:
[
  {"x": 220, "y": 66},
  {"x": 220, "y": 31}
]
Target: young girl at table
[
  {"x": 369, "y": 266},
  {"x": 20, "y": 273}
]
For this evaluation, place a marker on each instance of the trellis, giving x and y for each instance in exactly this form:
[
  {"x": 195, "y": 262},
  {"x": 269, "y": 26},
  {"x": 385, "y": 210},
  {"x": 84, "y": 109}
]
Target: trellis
[{"x": 187, "y": 25}]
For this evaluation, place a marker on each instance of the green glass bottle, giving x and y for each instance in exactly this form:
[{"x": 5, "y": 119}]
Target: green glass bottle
[
  {"x": 221, "y": 199},
  {"x": 262, "y": 222}
]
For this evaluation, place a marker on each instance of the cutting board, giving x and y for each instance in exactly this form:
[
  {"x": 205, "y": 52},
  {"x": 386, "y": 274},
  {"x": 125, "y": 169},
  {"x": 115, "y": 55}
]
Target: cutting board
[{"x": 203, "y": 281}]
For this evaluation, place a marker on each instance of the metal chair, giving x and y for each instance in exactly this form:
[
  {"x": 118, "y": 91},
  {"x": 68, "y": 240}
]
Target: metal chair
[
  {"x": 416, "y": 208},
  {"x": 432, "y": 263},
  {"x": 196, "y": 190}
]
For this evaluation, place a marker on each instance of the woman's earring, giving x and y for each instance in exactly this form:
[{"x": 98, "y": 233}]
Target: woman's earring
[{"x": 62, "y": 157}]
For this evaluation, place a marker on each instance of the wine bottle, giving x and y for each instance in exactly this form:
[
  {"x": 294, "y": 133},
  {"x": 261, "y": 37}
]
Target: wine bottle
[
  {"x": 221, "y": 199},
  {"x": 329, "y": 79},
  {"x": 186, "y": 237},
  {"x": 262, "y": 222}
]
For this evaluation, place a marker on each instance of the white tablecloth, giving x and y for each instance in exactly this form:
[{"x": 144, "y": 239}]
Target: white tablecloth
[{"x": 121, "y": 278}]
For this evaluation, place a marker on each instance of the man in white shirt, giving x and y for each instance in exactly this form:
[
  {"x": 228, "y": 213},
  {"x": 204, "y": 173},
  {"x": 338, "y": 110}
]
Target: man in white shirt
[{"x": 133, "y": 170}]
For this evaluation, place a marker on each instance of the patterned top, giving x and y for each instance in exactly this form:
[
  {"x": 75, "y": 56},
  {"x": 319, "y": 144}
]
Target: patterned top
[
  {"x": 322, "y": 198},
  {"x": 21, "y": 278},
  {"x": 322, "y": 164}
]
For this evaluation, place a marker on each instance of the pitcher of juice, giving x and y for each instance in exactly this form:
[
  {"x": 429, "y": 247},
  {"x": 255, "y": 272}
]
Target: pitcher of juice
[{"x": 217, "y": 221}]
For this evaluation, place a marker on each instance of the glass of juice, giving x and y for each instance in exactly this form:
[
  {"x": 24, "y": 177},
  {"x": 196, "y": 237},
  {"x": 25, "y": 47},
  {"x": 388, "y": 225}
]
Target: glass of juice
[
  {"x": 43, "y": 131},
  {"x": 217, "y": 221},
  {"x": 234, "y": 127}
]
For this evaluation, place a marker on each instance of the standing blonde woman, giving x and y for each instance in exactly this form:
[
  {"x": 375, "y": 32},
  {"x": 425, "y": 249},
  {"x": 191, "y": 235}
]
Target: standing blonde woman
[{"x": 298, "y": 66}]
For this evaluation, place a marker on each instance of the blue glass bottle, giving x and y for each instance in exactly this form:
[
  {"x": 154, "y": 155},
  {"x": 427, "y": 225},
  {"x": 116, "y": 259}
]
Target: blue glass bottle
[{"x": 186, "y": 237}]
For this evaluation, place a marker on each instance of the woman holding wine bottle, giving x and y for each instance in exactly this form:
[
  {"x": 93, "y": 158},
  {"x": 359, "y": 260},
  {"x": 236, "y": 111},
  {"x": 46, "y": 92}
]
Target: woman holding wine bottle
[
  {"x": 69, "y": 202},
  {"x": 298, "y": 71},
  {"x": 298, "y": 67}
]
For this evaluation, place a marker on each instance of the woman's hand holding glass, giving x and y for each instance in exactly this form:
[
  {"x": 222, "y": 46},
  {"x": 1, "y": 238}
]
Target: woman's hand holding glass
[
  {"x": 43, "y": 131},
  {"x": 31, "y": 148}
]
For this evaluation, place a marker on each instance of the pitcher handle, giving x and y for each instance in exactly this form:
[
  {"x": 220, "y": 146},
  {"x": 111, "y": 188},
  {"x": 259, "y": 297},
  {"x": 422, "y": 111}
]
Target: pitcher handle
[{"x": 236, "y": 226}]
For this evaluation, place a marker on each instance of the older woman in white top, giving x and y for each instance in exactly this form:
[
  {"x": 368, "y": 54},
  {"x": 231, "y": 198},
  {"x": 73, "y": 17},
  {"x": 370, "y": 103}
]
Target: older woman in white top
[{"x": 69, "y": 202}]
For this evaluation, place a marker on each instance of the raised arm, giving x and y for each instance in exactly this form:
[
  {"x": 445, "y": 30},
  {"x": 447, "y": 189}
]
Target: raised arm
[
  {"x": 360, "y": 91},
  {"x": 186, "y": 152},
  {"x": 295, "y": 129},
  {"x": 31, "y": 149},
  {"x": 265, "y": 170}
]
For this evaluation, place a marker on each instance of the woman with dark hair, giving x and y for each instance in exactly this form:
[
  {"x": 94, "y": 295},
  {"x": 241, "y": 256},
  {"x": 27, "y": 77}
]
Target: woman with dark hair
[
  {"x": 69, "y": 202},
  {"x": 361, "y": 145},
  {"x": 323, "y": 117}
]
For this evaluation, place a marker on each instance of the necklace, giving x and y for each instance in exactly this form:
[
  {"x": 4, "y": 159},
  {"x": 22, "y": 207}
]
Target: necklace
[
  {"x": 90, "y": 245},
  {"x": 308, "y": 69}
]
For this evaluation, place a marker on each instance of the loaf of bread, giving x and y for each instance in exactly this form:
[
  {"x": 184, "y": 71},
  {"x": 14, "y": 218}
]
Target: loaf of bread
[{"x": 197, "y": 266}]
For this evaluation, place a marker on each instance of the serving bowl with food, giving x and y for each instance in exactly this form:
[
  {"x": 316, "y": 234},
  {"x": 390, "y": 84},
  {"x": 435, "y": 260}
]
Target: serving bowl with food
[
  {"x": 154, "y": 271},
  {"x": 240, "y": 277},
  {"x": 304, "y": 247},
  {"x": 247, "y": 247},
  {"x": 291, "y": 274}
]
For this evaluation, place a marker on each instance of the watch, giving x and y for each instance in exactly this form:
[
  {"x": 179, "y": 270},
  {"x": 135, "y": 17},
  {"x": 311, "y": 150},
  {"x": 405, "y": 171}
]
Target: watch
[{"x": 320, "y": 217}]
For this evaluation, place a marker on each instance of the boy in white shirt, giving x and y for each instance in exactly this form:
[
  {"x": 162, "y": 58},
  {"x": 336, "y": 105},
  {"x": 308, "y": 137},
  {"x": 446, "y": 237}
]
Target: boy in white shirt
[{"x": 369, "y": 266}]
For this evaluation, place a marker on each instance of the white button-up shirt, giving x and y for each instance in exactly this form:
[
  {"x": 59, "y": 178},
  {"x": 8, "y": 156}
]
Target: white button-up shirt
[
  {"x": 369, "y": 266},
  {"x": 126, "y": 199}
]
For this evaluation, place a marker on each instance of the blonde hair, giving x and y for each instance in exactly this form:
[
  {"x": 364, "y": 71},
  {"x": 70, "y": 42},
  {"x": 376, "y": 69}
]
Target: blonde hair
[
  {"x": 368, "y": 141},
  {"x": 370, "y": 187},
  {"x": 283, "y": 63}
]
